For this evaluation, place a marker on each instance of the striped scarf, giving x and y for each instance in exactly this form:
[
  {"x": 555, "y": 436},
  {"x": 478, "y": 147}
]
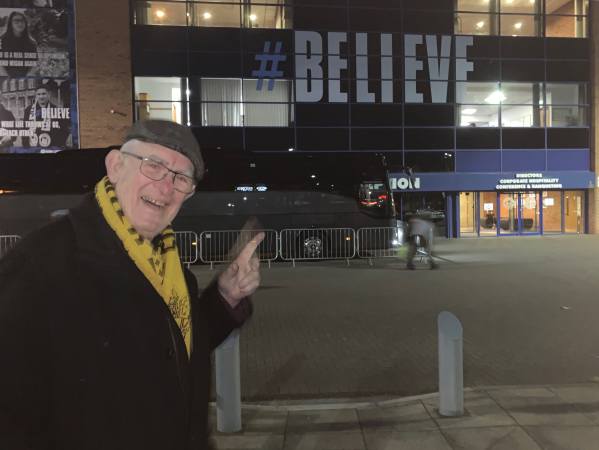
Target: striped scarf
[{"x": 158, "y": 262}]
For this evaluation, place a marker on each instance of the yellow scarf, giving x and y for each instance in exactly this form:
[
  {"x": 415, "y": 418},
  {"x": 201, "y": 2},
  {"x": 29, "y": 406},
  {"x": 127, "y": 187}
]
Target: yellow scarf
[{"x": 159, "y": 263}]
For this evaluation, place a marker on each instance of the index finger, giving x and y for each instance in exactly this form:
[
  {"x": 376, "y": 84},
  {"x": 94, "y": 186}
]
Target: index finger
[{"x": 249, "y": 249}]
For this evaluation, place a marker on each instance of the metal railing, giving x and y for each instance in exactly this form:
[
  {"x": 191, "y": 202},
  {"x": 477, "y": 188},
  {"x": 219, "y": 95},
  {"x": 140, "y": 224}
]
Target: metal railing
[
  {"x": 223, "y": 246},
  {"x": 317, "y": 243},
  {"x": 379, "y": 242},
  {"x": 7, "y": 242},
  {"x": 187, "y": 244}
]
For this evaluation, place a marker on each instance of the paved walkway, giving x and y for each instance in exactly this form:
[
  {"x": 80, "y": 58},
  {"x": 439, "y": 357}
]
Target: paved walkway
[{"x": 557, "y": 417}]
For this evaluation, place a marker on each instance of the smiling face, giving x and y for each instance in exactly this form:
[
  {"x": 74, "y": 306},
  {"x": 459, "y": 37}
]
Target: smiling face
[
  {"x": 150, "y": 206},
  {"x": 18, "y": 24}
]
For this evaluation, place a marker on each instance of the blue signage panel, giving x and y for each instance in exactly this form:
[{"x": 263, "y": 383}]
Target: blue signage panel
[{"x": 499, "y": 181}]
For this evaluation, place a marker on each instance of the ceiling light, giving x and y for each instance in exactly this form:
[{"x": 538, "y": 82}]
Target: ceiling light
[
  {"x": 518, "y": 25},
  {"x": 468, "y": 111},
  {"x": 253, "y": 17},
  {"x": 160, "y": 13},
  {"x": 290, "y": 149},
  {"x": 480, "y": 24},
  {"x": 532, "y": 2},
  {"x": 207, "y": 15},
  {"x": 509, "y": 2},
  {"x": 495, "y": 97}
]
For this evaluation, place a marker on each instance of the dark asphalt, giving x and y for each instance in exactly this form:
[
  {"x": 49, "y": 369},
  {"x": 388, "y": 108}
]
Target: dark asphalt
[{"x": 529, "y": 307}]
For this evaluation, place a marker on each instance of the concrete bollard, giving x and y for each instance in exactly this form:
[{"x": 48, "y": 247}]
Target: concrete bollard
[
  {"x": 228, "y": 385},
  {"x": 451, "y": 365}
]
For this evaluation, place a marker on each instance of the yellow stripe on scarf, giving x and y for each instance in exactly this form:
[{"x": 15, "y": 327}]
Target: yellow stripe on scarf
[{"x": 159, "y": 263}]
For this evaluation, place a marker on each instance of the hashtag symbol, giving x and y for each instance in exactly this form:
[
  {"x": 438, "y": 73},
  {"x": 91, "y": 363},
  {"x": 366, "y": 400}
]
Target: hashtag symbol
[{"x": 274, "y": 59}]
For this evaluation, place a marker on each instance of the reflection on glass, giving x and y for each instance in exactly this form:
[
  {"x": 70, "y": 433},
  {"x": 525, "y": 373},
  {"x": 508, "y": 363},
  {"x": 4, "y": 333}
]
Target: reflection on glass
[
  {"x": 520, "y": 6},
  {"x": 159, "y": 110},
  {"x": 508, "y": 212},
  {"x": 566, "y": 26},
  {"x": 476, "y": 5},
  {"x": 160, "y": 13},
  {"x": 474, "y": 92},
  {"x": 520, "y": 116},
  {"x": 552, "y": 212},
  {"x": 467, "y": 211},
  {"x": 529, "y": 212},
  {"x": 573, "y": 212},
  {"x": 267, "y": 114},
  {"x": 567, "y": 116},
  {"x": 267, "y": 16},
  {"x": 566, "y": 93},
  {"x": 215, "y": 15},
  {"x": 515, "y": 25},
  {"x": 473, "y": 23},
  {"x": 488, "y": 214},
  {"x": 478, "y": 115}
]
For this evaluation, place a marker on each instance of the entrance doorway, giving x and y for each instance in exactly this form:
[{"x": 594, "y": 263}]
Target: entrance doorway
[{"x": 519, "y": 213}]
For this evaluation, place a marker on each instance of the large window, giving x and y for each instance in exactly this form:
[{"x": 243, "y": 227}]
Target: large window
[
  {"x": 160, "y": 98},
  {"x": 563, "y": 18},
  {"x": 486, "y": 104},
  {"x": 234, "y": 102},
  {"x": 216, "y": 13}
]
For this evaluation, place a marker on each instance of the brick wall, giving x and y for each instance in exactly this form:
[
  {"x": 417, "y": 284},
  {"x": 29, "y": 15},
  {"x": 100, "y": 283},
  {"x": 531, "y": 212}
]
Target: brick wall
[{"x": 103, "y": 71}]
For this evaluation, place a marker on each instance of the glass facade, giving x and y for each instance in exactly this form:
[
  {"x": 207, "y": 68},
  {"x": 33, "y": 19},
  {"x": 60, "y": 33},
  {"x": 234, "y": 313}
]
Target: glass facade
[{"x": 459, "y": 87}]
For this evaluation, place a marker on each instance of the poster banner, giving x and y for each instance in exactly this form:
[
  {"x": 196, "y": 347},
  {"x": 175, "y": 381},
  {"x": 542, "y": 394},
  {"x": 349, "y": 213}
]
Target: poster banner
[{"x": 38, "y": 104}]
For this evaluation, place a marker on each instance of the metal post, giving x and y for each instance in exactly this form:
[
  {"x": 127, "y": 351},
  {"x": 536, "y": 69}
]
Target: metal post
[
  {"x": 451, "y": 377},
  {"x": 228, "y": 385}
]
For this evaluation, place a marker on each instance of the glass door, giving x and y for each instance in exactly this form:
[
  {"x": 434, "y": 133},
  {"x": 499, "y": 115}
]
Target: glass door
[
  {"x": 467, "y": 214},
  {"x": 519, "y": 213},
  {"x": 487, "y": 207},
  {"x": 508, "y": 213},
  {"x": 529, "y": 213}
]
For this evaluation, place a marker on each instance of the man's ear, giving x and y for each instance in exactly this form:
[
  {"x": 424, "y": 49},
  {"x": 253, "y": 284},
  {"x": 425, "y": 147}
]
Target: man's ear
[{"x": 114, "y": 165}]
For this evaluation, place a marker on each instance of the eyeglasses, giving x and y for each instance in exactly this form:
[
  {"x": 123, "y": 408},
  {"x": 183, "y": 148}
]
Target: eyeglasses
[{"x": 157, "y": 171}]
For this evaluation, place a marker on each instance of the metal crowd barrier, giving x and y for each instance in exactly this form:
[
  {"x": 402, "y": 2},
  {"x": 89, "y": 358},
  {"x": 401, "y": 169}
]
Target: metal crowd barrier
[
  {"x": 187, "y": 244},
  {"x": 7, "y": 242},
  {"x": 317, "y": 243},
  {"x": 223, "y": 246},
  {"x": 379, "y": 242}
]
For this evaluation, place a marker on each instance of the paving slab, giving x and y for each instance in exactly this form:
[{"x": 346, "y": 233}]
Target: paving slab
[
  {"x": 322, "y": 420},
  {"x": 584, "y": 397},
  {"x": 384, "y": 439},
  {"x": 248, "y": 441},
  {"x": 566, "y": 438},
  {"x": 539, "y": 406},
  {"x": 409, "y": 417},
  {"x": 325, "y": 440},
  {"x": 480, "y": 410},
  {"x": 490, "y": 438}
]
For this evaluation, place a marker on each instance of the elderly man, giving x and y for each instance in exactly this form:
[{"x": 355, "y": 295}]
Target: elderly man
[{"x": 104, "y": 340}]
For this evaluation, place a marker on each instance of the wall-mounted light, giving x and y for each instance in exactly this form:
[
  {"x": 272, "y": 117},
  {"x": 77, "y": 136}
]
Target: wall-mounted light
[
  {"x": 207, "y": 15},
  {"x": 160, "y": 13},
  {"x": 480, "y": 24},
  {"x": 518, "y": 25},
  {"x": 253, "y": 17}
]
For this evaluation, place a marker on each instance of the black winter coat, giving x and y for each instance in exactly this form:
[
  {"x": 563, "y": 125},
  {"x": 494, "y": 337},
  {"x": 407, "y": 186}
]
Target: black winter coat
[{"x": 91, "y": 356}]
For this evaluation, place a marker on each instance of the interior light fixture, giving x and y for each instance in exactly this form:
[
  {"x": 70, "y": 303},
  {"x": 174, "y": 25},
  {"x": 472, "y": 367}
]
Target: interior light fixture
[
  {"x": 253, "y": 17},
  {"x": 468, "y": 111},
  {"x": 480, "y": 24},
  {"x": 495, "y": 97},
  {"x": 532, "y": 2},
  {"x": 160, "y": 13},
  {"x": 290, "y": 149},
  {"x": 518, "y": 25},
  {"x": 207, "y": 15}
]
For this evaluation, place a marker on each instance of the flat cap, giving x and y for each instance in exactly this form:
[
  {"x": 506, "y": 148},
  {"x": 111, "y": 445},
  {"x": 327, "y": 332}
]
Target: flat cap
[{"x": 171, "y": 135}]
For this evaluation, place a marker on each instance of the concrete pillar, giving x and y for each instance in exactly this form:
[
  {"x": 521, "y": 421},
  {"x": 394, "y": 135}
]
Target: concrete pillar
[{"x": 103, "y": 71}]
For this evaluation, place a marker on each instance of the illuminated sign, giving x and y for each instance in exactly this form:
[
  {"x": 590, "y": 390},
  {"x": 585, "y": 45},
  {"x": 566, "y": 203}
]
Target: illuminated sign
[
  {"x": 529, "y": 181},
  {"x": 403, "y": 183}
]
